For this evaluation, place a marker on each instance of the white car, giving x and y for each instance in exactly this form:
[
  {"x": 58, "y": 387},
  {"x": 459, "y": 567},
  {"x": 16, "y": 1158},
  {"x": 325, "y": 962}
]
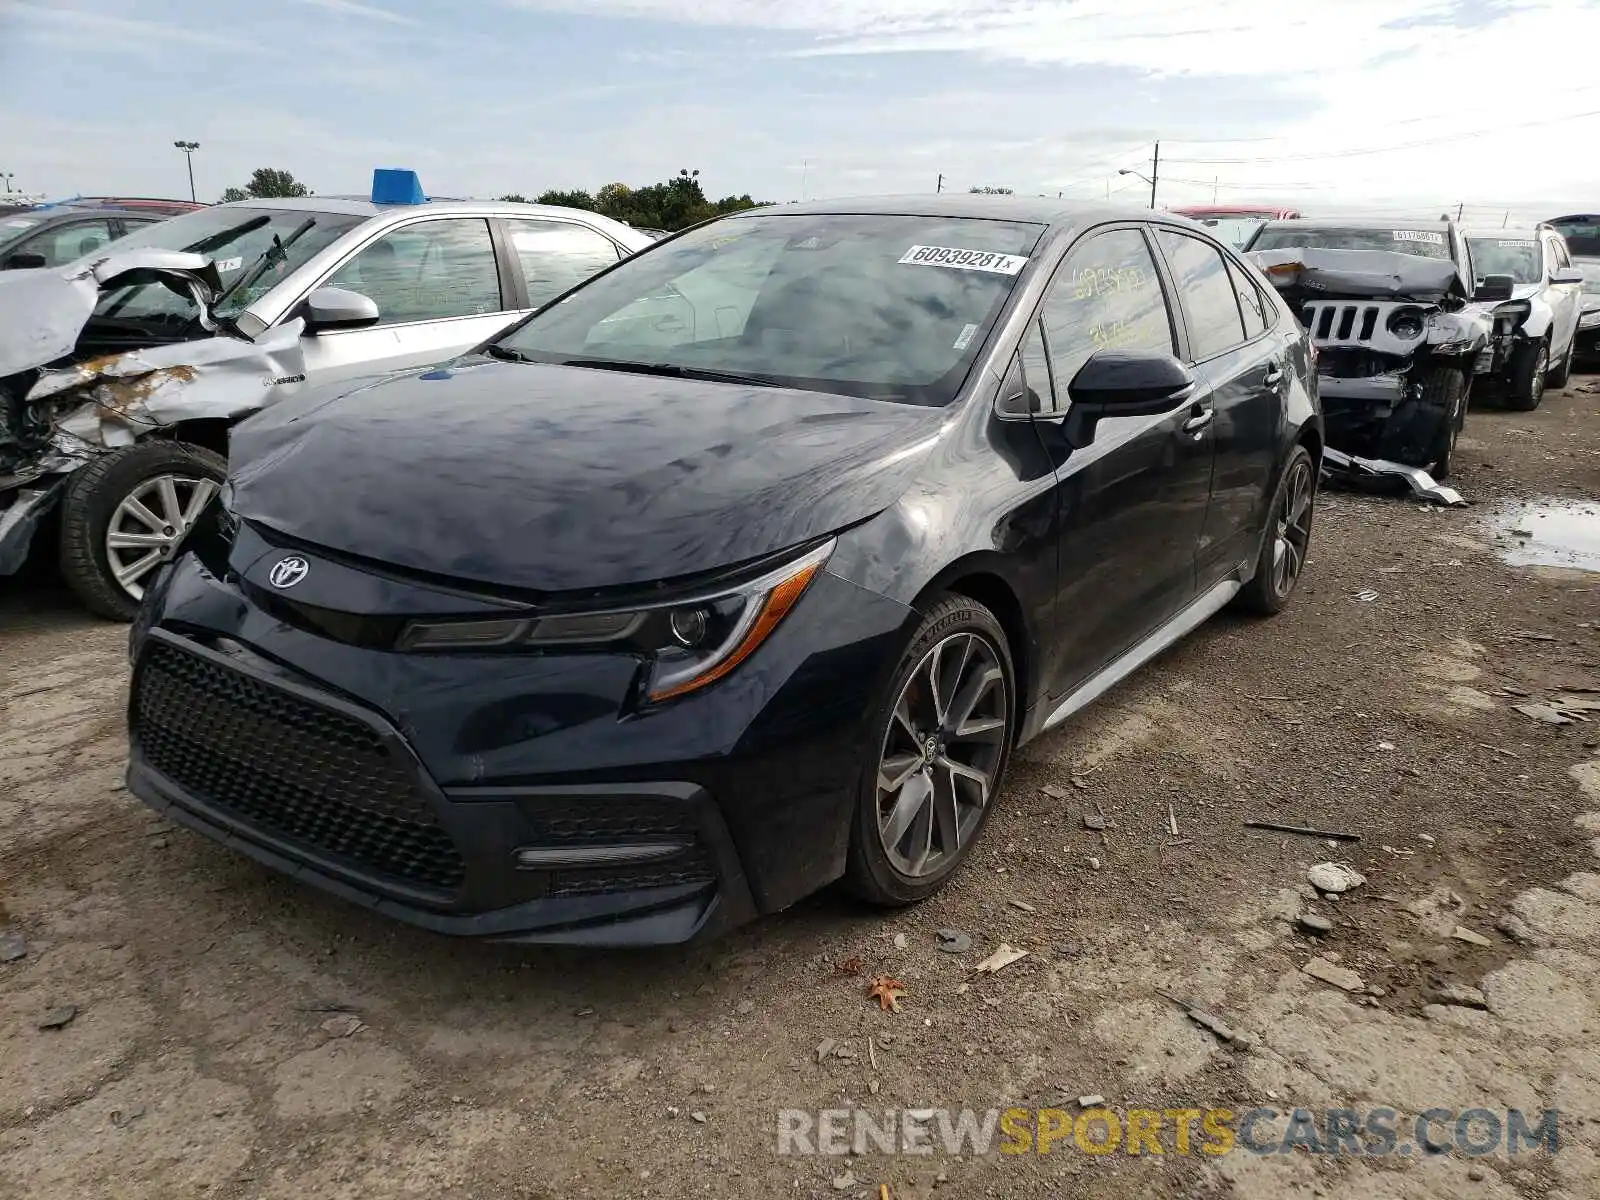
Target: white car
[
  {"x": 1542, "y": 315},
  {"x": 121, "y": 373}
]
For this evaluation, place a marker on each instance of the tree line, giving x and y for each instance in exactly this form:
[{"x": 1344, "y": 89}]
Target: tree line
[{"x": 673, "y": 204}]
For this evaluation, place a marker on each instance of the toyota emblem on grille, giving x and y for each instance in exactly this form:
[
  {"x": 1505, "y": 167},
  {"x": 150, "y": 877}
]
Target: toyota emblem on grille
[{"x": 287, "y": 572}]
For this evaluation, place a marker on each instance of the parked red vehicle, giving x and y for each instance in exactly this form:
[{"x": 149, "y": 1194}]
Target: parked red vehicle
[{"x": 1234, "y": 223}]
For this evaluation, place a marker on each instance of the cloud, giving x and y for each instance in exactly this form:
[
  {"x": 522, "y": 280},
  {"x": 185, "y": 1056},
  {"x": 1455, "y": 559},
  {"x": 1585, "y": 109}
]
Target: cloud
[
  {"x": 81, "y": 27},
  {"x": 370, "y": 12}
]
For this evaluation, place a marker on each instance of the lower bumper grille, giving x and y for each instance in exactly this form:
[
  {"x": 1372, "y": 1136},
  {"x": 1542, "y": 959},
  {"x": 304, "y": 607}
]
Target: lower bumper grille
[
  {"x": 288, "y": 766},
  {"x": 594, "y": 821}
]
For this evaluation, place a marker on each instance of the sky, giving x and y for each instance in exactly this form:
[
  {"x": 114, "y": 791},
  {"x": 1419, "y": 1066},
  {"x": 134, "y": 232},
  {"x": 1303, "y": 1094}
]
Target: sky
[{"x": 1325, "y": 105}]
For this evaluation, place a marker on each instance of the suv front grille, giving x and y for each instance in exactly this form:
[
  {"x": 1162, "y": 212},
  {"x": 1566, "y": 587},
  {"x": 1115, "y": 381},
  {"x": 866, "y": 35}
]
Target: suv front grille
[
  {"x": 288, "y": 766},
  {"x": 1330, "y": 321}
]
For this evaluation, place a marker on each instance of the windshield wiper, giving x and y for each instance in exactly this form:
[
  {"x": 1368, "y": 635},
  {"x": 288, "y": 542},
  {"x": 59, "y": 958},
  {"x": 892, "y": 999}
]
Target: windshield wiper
[
  {"x": 272, "y": 255},
  {"x": 216, "y": 241},
  {"x": 506, "y": 353},
  {"x": 671, "y": 370}
]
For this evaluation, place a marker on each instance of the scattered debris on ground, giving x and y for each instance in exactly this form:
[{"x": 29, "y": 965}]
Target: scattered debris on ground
[{"x": 1002, "y": 958}]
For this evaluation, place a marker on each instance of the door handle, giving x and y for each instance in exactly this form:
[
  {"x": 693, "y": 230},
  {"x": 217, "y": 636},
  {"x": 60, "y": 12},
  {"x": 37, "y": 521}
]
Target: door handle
[
  {"x": 1197, "y": 422},
  {"x": 1274, "y": 375}
]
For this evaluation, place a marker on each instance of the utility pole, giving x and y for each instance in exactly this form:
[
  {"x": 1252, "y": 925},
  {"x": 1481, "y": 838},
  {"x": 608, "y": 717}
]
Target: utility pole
[
  {"x": 188, "y": 149},
  {"x": 939, "y": 187},
  {"x": 1215, "y": 183},
  {"x": 805, "y": 167},
  {"x": 1460, "y": 208},
  {"x": 1155, "y": 173}
]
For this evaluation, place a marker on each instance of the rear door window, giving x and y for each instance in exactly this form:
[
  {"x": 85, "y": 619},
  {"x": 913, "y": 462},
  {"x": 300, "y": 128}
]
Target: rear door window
[
  {"x": 1252, "y": 304},
  {"x": 1210, "y": 304},
  {"x": 556, "y": 256}
]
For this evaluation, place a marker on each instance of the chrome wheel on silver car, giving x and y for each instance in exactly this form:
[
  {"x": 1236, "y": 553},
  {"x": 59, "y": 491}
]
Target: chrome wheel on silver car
[
  {"x": 941, "y": 755},
  {"x": 1293, "y": 527},
  {"x": 148, "y": 523}
]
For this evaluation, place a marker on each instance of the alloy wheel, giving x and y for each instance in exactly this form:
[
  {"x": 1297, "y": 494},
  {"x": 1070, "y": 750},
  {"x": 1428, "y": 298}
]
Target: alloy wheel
[
  {"x": 1292, "y": 528},
  {"x": 146, "y": 527},
  {"x": 945, "y": 743}
]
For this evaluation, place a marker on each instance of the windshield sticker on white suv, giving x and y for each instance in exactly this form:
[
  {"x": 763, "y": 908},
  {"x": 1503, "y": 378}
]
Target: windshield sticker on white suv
[
  {"x": 965, "y": 260},
  {"x": 965, "y": 339},
  {"x": 1516, "y": 244},
  {"x": 1419, "y": 235}
]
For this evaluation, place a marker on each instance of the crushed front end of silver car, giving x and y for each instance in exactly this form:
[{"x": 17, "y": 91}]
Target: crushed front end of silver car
[{"x": 61, "y": 408}]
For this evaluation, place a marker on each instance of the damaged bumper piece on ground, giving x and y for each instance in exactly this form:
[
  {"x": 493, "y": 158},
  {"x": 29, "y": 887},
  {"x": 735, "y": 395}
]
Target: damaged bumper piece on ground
[
  {"x": 57, "y": 414},
  {"x": 1347, "y": 468},
  {"x": 1396, "y": 346}
]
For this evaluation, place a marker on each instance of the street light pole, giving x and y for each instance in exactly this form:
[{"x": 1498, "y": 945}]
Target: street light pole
[
  {"x": 188, "y": 149},
  {"x": 1155, "y": 173}
]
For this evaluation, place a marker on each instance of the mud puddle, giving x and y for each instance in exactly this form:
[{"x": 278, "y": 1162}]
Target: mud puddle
[{"x": 1549, "y": 533}]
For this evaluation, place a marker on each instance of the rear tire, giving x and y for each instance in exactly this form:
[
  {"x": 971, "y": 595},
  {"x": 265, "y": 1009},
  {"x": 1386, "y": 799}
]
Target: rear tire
[
  {"x": 96, "y": 497},
  {"x": 1530, "y": 363},
  {"x": 941, "y": 743},
  {"x": 1286, "y": 540}
]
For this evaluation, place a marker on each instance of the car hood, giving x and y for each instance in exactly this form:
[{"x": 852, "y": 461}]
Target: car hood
[{"x": 559, "y": 479}]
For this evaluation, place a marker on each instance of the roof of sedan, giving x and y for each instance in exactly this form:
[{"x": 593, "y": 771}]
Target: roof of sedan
[
  {"x": 355, "y": 206},
  {"x": 1041, "y": 210}
]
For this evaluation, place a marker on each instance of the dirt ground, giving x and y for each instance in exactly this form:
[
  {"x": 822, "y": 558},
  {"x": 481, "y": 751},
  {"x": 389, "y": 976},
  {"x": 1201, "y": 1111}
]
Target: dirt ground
[{"x": 237, "y": 1036}]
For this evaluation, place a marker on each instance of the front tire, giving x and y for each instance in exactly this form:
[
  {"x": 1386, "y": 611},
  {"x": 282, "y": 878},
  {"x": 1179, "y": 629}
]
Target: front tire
[
  {"x": 1530, "y": 364},
  {"x": 1287, "y": 540},
  {"x": 124, "y": 514},
  {"x": 943, "y": 738},
  {"x": 1563, "y": 374},
  {"x": 1446, "y": 391}
]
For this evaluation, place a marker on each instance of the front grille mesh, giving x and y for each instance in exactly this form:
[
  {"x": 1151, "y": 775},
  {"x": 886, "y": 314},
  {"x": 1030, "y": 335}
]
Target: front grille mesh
[{"x": 290, "y": 767}]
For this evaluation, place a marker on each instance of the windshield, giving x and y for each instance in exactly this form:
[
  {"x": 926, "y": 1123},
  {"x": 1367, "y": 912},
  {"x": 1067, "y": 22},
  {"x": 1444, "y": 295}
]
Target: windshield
[
  {"x": 1235, "y": 231},
  {"x": 883, "y": 307},
  {"x": 1582, "y": 234},
  {"x": 1516, "y": 257},
  {"x": 1425, "y": 243},
  {"x": 234, "y": 238}
]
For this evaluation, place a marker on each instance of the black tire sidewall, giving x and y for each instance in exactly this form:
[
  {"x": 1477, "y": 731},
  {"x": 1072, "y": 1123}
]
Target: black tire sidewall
[
  {"x": 92, "y": 496},
  {"x": 1259, "y": 595},
  {"x": 869, "y": 874}
]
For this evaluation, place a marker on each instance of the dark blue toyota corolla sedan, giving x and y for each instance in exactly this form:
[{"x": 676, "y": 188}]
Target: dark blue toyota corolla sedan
[{"x": 740, "y": 569}]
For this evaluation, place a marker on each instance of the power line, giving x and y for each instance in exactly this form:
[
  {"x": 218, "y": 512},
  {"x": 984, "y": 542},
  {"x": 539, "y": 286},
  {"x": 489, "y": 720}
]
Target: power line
[{"x": 1450, "y": 137}]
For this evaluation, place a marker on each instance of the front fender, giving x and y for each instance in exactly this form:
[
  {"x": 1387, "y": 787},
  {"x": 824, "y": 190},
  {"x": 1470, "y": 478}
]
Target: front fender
[{"x": 1539, "y": 319}]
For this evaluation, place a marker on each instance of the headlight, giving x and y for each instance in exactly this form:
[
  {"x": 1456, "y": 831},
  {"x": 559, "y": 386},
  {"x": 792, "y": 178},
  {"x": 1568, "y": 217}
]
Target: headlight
[
  {"x": 1457, "y": 347},
  {"x": 1589, "y": 319},
  {"x": 688, "y": 643},
  {"x": 1406, "y": 323}
]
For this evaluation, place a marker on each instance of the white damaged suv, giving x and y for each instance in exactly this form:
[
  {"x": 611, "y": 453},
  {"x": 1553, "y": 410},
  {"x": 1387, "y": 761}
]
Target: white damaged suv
[{"x": 1535, "y": 336}]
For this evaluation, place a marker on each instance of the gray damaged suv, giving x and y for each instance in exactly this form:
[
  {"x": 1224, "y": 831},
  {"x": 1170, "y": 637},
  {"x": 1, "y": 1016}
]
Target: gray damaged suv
[{"x": 121, "y": 373}]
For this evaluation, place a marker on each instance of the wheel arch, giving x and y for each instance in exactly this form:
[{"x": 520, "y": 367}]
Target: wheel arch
[{"x": 978, "y": 577}]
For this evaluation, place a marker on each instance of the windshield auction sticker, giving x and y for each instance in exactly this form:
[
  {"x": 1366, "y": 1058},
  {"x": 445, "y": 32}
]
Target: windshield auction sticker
[
  {"x": 965, "y": 260},
  {"x": 1419, "y": 235}
]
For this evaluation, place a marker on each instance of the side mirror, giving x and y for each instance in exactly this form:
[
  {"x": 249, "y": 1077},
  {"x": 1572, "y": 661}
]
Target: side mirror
[
  {"x": 1124, "y": 383},
  {"x": 23, "y": 262},
  {"x": 1567, "y": 275},
  {"x": 331, "y": 308},
  {"x": 1495, "y": 288}
]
